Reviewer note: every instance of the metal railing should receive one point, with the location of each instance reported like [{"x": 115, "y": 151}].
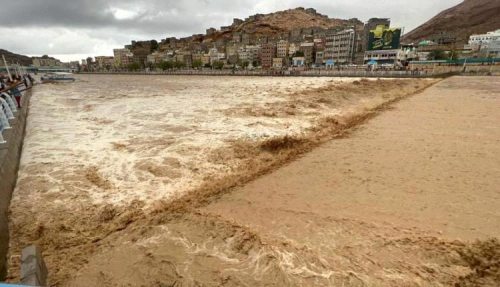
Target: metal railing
[
  {"x": 9, "y": 109},
  {"x": 306, "y": 73}
]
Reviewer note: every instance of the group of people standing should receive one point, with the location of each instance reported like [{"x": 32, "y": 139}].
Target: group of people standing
[
  {"x": 11, "y": 93},
  {"x": 14, "y": 85}
]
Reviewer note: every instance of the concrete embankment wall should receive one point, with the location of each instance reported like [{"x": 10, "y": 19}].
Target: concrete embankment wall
[{"x": 9, "y": 165}]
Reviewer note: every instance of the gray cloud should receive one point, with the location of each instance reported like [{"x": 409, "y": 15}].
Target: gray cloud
[{"x": 70, "y": 27}]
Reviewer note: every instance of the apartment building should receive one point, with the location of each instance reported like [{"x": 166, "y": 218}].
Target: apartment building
[
  {"x": 308, "y": 50},
  {"x": 341, "y": 47},
  {"x": 282, "y": 49},
  {"x": 122, "y": 58},
  {"x": 267, "y": 53},
  {"x": 45, "y": 61},
  {"x": 105, "y": 62},
  {"x": 254, "y": 52},
  {"x": 140, "y": 51}
]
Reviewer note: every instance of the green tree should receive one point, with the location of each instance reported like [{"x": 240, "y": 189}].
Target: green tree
[
  {"x": 179, "y": 65},
  {"x": 133, "y": 66},
  {"x": 245, "y": 64},
  {"x": 165, "y": 65},
  {"x": 437, "y": 55},
  {"x": 150, "y": 65},
  {"x": 218, "y": 65},
  {"x": 154, "y": 45},
  {"x": 197, "y": 64},
  {"x": 207, "y": 65}
]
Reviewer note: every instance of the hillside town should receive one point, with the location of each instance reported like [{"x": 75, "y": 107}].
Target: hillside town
[{"x": 346, "y": 44}]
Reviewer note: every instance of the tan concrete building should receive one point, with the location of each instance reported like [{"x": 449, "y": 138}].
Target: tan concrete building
[
  {"x": 41, "y": 62},
  {"x": 282, "y": 49},
  {"x": 105, "y": 62},
  {"x": 122, "y": 58},
  {"x": 278, "y": 63},
  {"x": 140, "y": 51},
  {"x": 155, "y": 58}
]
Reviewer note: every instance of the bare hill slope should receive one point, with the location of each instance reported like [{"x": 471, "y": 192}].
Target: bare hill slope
[{"x": 469, "y": 17}]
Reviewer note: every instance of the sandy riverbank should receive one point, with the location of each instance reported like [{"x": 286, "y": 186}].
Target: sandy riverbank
[{"x": 112, "y": 160}]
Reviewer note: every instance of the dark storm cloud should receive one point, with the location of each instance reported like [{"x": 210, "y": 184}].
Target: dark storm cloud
[
  {"x": 149, "y": 17},
  {"x": 96, "y": 26}
]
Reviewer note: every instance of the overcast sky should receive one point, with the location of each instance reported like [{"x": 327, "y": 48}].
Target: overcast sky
[{"x": 75, "y": 29}]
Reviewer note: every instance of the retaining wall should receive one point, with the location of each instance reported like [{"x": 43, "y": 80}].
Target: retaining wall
[{"x": 10, "y": 156}]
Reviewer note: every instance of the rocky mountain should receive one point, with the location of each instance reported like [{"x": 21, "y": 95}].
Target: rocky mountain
[
  {"x": 286, "y": 21},
  {"x": 14, "y": 58},
  {"x": 469, "y": 17}
]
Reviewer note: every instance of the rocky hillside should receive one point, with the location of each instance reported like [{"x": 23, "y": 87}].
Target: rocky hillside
[
  {"x": 14, "y": 58},
  {"x": 285, "y": 21},
  {"x": 469, "y": 17}
]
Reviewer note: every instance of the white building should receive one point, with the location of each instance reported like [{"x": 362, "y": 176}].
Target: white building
[
  {"x": 341, "y": 47},
  {"x": 484, "y": 38}
]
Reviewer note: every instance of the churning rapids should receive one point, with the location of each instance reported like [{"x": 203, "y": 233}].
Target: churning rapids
[{"x": 107, "y": 156}]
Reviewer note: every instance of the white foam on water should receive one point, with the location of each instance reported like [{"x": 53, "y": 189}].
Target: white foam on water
[{"x": 148, "y": 136}]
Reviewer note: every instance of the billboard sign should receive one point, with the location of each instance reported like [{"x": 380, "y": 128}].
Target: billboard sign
[{"x": 384, "y": 38}]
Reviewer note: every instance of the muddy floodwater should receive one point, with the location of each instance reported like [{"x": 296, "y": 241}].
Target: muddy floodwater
[
  {"x": 115, "y": 161},
  {"x": 145, "y": 138}
]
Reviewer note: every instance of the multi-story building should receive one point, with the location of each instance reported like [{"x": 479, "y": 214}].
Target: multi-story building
[
  {"x": 105, "y": 62},
  {"x": 254, "y": 53},
  {"x": 232, "y": 49},
  {"x": 205, "y": 59},
  {"x": 267, "y": 53},
  {"x": 320, "y": 57},
  {"x": 483, "y": 39},
  {"x": 197, "y": 57},
  {"x": 341, "y": 47},
  {"x": 382, "y": 56},
  {"x": 292, "y": 48},
  {"x": 247, "y": 39},
  {"x": 216, "y": 56},
  {"x": 282, "y": 49},
  {"x": 46, "y": 61},
  {"x": 236, "y": 37},
  {"x": 211, "y": 31},
  {"x": 308, "y": 50},
  {"x": 122, "y": 58},
  {"x": 156, "y": 58},
  {"x": 262, "y": 40},
  {"x": 444, "y": 38},
  {"x": 140, "y": 51},
  {"x": 245, "y": 56},
  {"x": 278, "y": 63}
]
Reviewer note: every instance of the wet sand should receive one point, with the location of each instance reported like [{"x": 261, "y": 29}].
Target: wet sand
[
  {"x": 396, "y": 201},
  {"x": 118, "y": 181}
]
